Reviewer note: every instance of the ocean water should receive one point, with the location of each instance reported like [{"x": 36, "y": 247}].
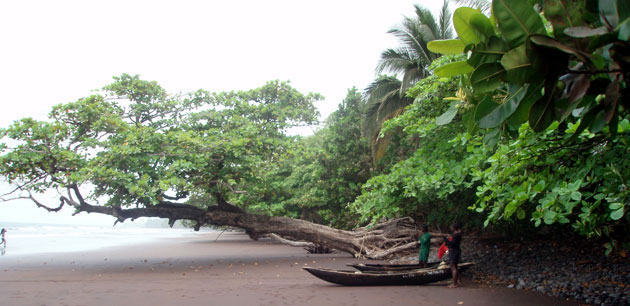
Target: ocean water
[{"x": 26, "y": 239}]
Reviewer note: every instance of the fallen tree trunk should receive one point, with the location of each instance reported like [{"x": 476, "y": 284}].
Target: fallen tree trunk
[{"x": 376, "y": 242}]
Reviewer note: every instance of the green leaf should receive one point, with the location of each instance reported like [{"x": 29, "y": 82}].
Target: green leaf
[
  {"x": 461, "y": 23},
  {"x": 481, "y": 25},
  {"x": 520, "y": 214},
  {"x": 517, "y": 66},
  {"x": 510, "y": 208},
  {"x": 446, "y": 46},
  {"x": 517, "y": 20},
  {"x": 542, "y": 113},
  {"x": 521, "y": 115},
  {"x": 615, "y": 206},
  {"x": 576, "y": 196},
  {"x": 485, "y": 107},
  {"x": 505, "y": 110},
  {"x": 492, "y": 137},
  {"x": 447, "y": 116},
  {"x": 487, "y": 77},
  {"x": 540, "y": 186},
  {"x": 624, "y": 30},
  {"x": 623, "y": 9},
  {"x": 550, "y": 216},
  {"x": 616, "y": 214},
  {"x": 453, "y": 69},
  {"x": 488, "y": 52},
  {"x": 564, "y": 14},
  {"x": 468, "y": 119},
  {"x": 608, "y": 12}
]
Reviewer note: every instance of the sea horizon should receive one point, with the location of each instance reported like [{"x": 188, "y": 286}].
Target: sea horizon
[{"x": 30, "y": 238}]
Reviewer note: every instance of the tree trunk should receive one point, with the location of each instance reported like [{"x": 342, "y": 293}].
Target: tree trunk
[{"x": 376, "y": 242}]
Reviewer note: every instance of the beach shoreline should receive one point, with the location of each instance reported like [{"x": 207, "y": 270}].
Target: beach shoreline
[{"x": 232, "y": 270}]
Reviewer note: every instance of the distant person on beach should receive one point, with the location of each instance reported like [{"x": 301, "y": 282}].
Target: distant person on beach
[
  {"x": 3, "y": 241},
  {"x": 425, "y": 245},
  {"x": 454, "y": 253}
]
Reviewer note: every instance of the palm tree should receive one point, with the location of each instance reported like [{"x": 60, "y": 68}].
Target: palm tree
[
  {"x": 386, "y": 95},
  {"x": 412, "y": 58}
]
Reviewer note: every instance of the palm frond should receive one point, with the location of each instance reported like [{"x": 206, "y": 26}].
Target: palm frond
[
  {"x": 444, "y": 22},
  {"x": 483, "y": 5},
  {"x": 384, "y": 100},
  {"x": 425, "y": 17},
  {"x": 396, "y": 60}
]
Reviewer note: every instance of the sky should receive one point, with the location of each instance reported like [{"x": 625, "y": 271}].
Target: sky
[{"x": 53, "y": 52}]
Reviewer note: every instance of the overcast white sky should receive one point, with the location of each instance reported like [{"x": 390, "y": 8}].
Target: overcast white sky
[{"x": 58, "y": 51}]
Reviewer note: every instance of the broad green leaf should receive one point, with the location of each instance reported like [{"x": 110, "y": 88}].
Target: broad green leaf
[
  {"x": 510, "y": 208},
  {"x": 488, "y": 52},
  {"x": 623, "y": 9},
  {"x": 608, "y": 12},
  {"x": 517, "y": 20},
  {"x": 468, "y": 119},
  {"x": 506, "y": 109},
  {"x": 492, "y": 137},
  {"x": 446, "y": 46},
  {"x": 540, "y": 186},
  {"x": 616, "y": 214},
  {"x": 550, "y": 216},
  {"x": 624, "y": 30},
  {"x": 520, "y": 214},
  {"x": 461, "y": 23},
  {"x": 487, "y": 77},
  {"x": 485, "y": 107},
  {"x": 517, "y": 66},
  {"x": 615, "y": 206},
  {"x": 447, "y": 116},
  {"x": 576, "y": 196},
  {"x": 542, "y": 114},
  {"x": 453, "y": 69},
  {"x": 564, "y": 14},
  {"x": 481, "y": 25}
]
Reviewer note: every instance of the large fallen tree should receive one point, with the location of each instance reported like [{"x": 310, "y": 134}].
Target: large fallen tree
[{"x": 135, "y": 151}]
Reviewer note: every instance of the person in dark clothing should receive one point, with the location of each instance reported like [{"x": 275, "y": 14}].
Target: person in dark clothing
[
  {"x": 3, "y": 241},
  {"x": 454, "y": 252}
]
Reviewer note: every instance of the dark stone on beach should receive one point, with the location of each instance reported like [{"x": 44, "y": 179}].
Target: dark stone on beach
[{"x": 587, "y": 275}]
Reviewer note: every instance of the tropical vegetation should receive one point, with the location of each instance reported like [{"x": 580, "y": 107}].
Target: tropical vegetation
[{"x": 518, "y": 126}]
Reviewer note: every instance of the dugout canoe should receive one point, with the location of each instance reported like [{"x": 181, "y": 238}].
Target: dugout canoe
[
  {"x": 386, "y": 267},
  {"x": 384, "y": 278}
]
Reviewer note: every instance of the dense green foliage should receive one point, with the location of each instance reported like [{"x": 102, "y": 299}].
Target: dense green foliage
[
  {"x": 321, "y": 174},
  {"x": 135, "y": 145},
  {"x": 428, "y": 175},
  {"x": 562, "y": 76},
  {"x": 522, "y": 124}
]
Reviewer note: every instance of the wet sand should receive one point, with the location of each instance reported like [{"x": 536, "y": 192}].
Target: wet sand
[{"x": 231, "y": 271}]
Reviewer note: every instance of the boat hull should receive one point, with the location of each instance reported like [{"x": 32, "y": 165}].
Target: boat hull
[
  {"x": 384, "y": 278},
  {"x": 401, "y": 267}
]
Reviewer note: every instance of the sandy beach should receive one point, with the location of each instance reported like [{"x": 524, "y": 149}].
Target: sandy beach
[{"x": 233, "y": 270}]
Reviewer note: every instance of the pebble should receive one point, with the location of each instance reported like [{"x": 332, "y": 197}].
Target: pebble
[{"x": 578, "y": 271}]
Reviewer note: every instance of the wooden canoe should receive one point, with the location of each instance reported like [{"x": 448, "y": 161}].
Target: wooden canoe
[
  {"x": 386, "y": 267},
  {"x": 385, "y": 278}
]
